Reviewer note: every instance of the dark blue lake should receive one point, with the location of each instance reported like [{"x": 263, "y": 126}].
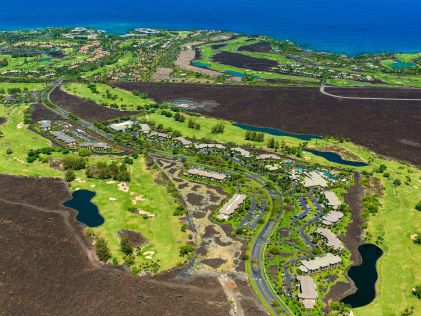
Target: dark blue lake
[
  {"x": 87, "y": 212},
  {"x": 276, "y": 132},
  {"x": 364, "y": 276},
  {"x": 351, "y": 27},
  {"x": 334, "y": 157}
]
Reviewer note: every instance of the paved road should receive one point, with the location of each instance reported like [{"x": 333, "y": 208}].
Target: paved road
[{"x": 322, "y": 90}]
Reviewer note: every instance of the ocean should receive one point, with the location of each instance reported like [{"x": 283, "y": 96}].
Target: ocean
[{"x": 343, "y": 26}]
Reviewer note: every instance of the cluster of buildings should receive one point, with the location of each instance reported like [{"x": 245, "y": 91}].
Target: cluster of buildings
[
  {"x": 318, "y": 264},
  {"x": 211, "y": 175}
]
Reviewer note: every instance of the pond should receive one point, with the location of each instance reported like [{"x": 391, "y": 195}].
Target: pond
[
  {"x": 239, "y": 74},
  {"x": 200, "y": 64},
  {"x": 398, "y": 64},
  {"x": 334, "y": 157},
  {"x": 87, "y": 212},
  {"x": 276, "y": 132},
  {"x": 364, "y": 277}
]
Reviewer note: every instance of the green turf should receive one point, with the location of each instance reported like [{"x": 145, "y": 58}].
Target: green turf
[{"x": 124, "y": 99}]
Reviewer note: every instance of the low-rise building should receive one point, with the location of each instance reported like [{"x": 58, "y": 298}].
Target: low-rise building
[
  {"x": 242, "y": 152},
  {"x": 144, "y": 128},
  {"x": 207, "y": 174},
  {"x": 308, "y": 295},
  {"x": 319, "y": 264},
  {"x": 332, "y": 218},
  {"x": 159, "y": 135},
  {"x": 183, "y": 141},
  {"x": 44, "y": 125},
  {"x": 229, "y": 208},
  {"x": 268, "y": 156},
  {"x": 122, "y": 126},
  {"x": 332, "y": 199},
  {"x": 331, "y": 239},
  {"x": 69, "y": 140},
  {"x": 95, "y": 145},
  {"x": 273, "y": 167},
  {"x": 210, "y": 146},
  {"x": 314, "y": 179}
]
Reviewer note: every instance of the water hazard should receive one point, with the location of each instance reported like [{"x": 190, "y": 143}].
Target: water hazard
[
  {"x": 364, "y": 276},
  {"x": 334, "y": 157},
  {"x": 87, "y": 212}
]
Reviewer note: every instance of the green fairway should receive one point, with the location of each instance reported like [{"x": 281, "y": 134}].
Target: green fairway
[
  {"x": 116, "y": 98},
  {"x": 23, "y": 86}
]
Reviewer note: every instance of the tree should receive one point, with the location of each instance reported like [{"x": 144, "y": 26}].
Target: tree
[
  {"x": 85, "y": 152},
  {"x": 418, "y": 206},
  {"x": 186, "y": 249},
  {"x": 271, "y": 143},
  {"x": 417, "y": 291},
  {"x": 397, "y": 182},
  {"x": 69, "y": 176},
  {"x": 218, "y": 128},
  {"x": 9, "y": 151},
  {"x": 125, "y": 245},
  {"x": 74, "y": 163},
  {"x": 4, "y": 63},
  {"x": 101, "y": 249}
]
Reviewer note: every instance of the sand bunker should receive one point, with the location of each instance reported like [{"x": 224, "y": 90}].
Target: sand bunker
[
  {"x": 148, "y": 254},
  {"x": 20, "y": 125},
  {"x": 110, "y": 182},
  {"x": 144, "y": 213},
  {"x": 112, "y": 198},
  {"x": 122, "y": 186}
]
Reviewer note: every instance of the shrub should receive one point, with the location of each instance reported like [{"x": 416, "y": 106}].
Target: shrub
[
  {"x": 101, "y": 249},
  {"x": 218, "y": 128},
  {"x": 69, "y": 176},
  {"x": 186, "y": 249},
  {"x": 74, "y": 163},
  {"x": 125, "y": 245},
  {"x": 418, "y": 206}
]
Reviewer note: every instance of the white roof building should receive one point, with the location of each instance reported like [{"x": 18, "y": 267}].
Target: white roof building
[
  {"x": 207, "y": 174},
  {"x": 122, "y": 126},
  {"x": 314, "y": 179},
  {"x": 183, "y": 141},
  {"x": 44, "y": 125},
  {"x": 320, "y": 263},
  {"x": 268, "y": 156},
  {"x": 144, "y": 128},
  {"x": 332, "y": 199},
  {"x": 332, "y": 217},
  {"x": 242, "y": 152},
  {"x": 63, "y": 137},
  {"x": 331, "y": 239},
  {"x": 209, "y": 146},
  {"x": 229, "y": 208},
  {"x": 308, "y": 295}
]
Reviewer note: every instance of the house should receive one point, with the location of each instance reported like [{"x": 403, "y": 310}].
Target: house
[
  {"x": 331, "y": 239},
  {"x": 332, "y": 218},
  {"x": 314, "y": 179},
  {"x": 183, "y": 141},
  {"x": 207, "y": 174},
  {"x": 144, "y": 128},
  {"x": 273, "y": 167},
  {"x": 209, "y": 146},
  {"x": 64, "y": 137},
  {"x": 308, "y": 291},
  {"x": 229, "y": 208},
  {"x": 122, "y": 126},
  {"x": 44, "y": 125},
  {"x": 95, "y": 145},
  {"x": 159, "y": 135},
  {"x": 319, "y": 264},
  {"x": 268, "y": 156},
  {"x": 242, "y": 152},
  {"x": 332, "y": 199}
]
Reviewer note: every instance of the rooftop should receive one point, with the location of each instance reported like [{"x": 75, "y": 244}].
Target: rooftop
[
  {"x": 207, "y": 174},
  {"x": 331, "y": 239},
  {"x": 63, "y": 137},
  {"x": 209, "y": 146},
  {"x": 144, "y": 128},
  {"x": 317, "y": 263},
  {"x": 121, "y": 126},
  {"x": 308, "y": 294},
  {"x": 229, "y": 208},
  {"x": 241, "y": 151},
  {"x": 332, "y": 199},
  {"x": 183, "y": 141},
  {"x": 268, "y": 156},
  {"x": 313, "y": 179},
  {"x": 332, "y": 217}
]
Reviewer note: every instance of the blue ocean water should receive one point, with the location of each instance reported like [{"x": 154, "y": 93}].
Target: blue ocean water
[{"x": 353, "y": 27}]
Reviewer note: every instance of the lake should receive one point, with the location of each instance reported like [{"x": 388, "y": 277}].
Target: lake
[
  {"x": 87, "y": 212},
  {"x": 334, "y": 157},
  {"x": 276, "y": 132},
  {"x": 351, "y": 27},
  {"x": 364, "y": 276}
]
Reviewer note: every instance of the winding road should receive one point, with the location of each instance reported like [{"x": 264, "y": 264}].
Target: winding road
[{"x": 323, "y": 91}]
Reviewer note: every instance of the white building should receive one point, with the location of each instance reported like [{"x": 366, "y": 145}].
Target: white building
[
  {"x": 122, "y": 126},
  {"x": 229, "y": 208},
  {"x": 332, "y": 199}
]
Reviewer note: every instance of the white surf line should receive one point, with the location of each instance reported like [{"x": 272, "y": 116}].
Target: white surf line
[{"x": 322, "y": 90}]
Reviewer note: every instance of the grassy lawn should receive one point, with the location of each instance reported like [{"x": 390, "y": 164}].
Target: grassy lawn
[
  {"x": 30, "y": 86},
  {"x": 163, "y": 231},
  {"x": 117, "y": 97}
]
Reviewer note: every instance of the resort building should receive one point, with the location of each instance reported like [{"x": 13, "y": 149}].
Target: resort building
[
  {"x": 331, "y": 239},
  {"x": 242, "y": 152},
  {"x": 319, "y": 264},
  {"x": 209, "y": 146},
  {"x": 332, "y": 199},
  {"x": 308, "y": 295},
  {"x": 229, "y": 208},
  {"x": 160, "y": 135},
  {"x": 122, "y": 126},
  {"x": 314, "y": 179},
  {"x": 183, "y": 141},
  {"x": 144, "y": 128},
  {"x": 95, "y": 145},
  {"x": 332, "y": 218},
  {"x": 44, "y": 125},
  {"x": 273, "y": 167},
  {"x": 207, "y": 174},
  {"x": 63, "y": 137},
  {"x": 268, "y": 156}
]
